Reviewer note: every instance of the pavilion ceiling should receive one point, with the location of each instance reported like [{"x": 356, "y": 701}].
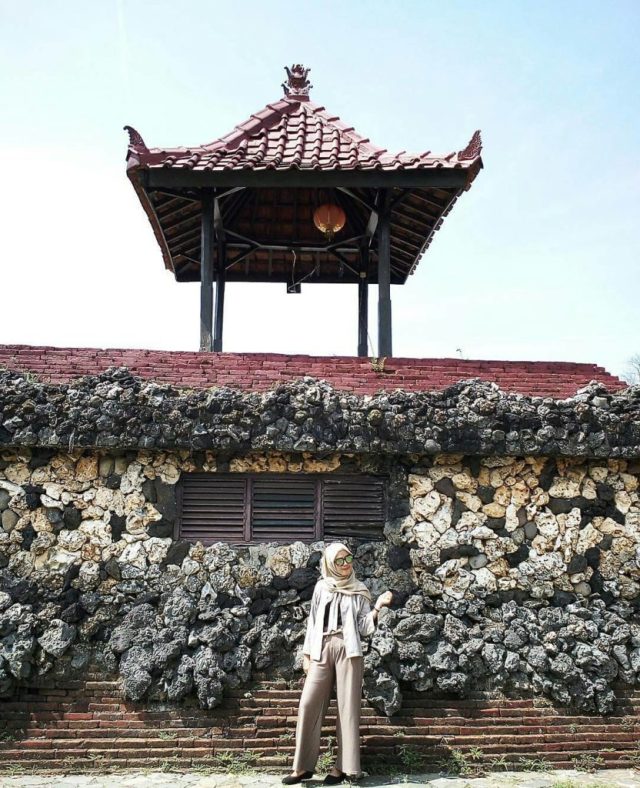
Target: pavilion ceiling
[{"x": 281, "y": 220}]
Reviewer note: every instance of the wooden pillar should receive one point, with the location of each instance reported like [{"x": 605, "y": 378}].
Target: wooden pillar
[
  {"x": 221, "y": 262},
  {"x": 363, "y": 301},
  {"x": 384, "y": 278},
  {"x": 206, "y": 271}
]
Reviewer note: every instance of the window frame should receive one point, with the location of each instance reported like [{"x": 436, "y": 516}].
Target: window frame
[{"x": 250, "y": 477}]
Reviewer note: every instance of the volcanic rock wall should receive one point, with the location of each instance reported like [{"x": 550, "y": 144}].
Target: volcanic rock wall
[
  {"x": 512, "y": 544},
  {"x": 117, "y": 410}
]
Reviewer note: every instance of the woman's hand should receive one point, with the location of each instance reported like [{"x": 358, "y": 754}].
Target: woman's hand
[
  {"x": 384, "y": 600},
  {"x": 306, "y": 662}
]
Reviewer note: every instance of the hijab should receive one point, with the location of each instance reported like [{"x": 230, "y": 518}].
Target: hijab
[{"x": 333, "y": 581}]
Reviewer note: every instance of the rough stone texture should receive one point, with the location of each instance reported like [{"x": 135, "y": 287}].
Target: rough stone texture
[
  {"x": 510, "y": 573},
  {"x": 116, "y": 409}
]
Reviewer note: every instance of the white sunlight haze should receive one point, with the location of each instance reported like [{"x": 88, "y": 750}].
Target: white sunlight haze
[{"x": 538, "y": 261}]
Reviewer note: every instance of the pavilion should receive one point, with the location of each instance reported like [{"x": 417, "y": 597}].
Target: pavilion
[{"x": 244, "y": 208}]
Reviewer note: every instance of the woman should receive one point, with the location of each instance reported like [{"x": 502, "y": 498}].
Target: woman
[{"x": 340, "y": 612}]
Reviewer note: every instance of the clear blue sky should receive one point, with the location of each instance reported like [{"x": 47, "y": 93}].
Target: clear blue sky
[{"x": 540, "y": 260}]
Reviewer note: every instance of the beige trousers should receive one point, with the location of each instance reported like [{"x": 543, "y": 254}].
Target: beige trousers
[{"x": 314, "y": 702}]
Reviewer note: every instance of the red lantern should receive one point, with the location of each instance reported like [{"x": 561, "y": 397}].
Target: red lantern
[{"x": 329, "y": 219}]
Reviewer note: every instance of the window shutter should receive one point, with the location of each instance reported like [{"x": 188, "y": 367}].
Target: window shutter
[
  {"x": 212, "y": 508},
  {"x": 265, "y": 507},
  {"x": 354, "y": 506},
  {"x": 283, "y": 508}
]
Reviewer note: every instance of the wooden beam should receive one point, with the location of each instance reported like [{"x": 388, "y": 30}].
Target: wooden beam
[
  {"x": 171, "y": 193},
  {"x": 239, "y": 257},
  {"x": 223, "y": 195},
  {"x": 192, "y": 219},
  {"x": 176, "y": 242},
  {"x": 220, "y": 283},
  {"x": 400, "y": 225},
  {"x": 363, "y": 302},
  {"x": 416, "y": 195},
  {"x": 221, "y": 263},
  {"x": 353, "y": 217},
  {"x": 168, "y": 202},
  {"x": 384, "y": 278},
  {"x": 206, "y": 272},
  {"x": 421, "y": 197},
  {"x": 398, "y": 198},
  {"x": 245, "y": 242},
  {"x": 343, "y": 262},
  {"x": 278, "y": 274},
  {"x": 418, "y": 214},
  {"x": 375, "y": 179},
  {"x": 369, "y": 206},
  {"x": 235, "y": 205}
]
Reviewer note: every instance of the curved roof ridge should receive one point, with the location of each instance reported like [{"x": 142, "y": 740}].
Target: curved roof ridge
[
  {"x": 313, "y": 139},
  {"x": 263, "y": 119},
  {"x": 269, "y": 119}
]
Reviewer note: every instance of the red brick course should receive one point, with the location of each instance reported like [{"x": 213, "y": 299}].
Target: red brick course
[
  {"x": 88, "y": 723},
  {"x": 260, "y": 371}
]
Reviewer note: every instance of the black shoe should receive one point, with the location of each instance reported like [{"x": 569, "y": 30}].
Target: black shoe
[
  {"x": 332, "y": 779},
  {"x": 291, "y": 780}
]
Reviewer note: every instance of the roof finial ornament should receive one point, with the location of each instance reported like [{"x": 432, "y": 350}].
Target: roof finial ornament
[
  {"x": 297, "y": 85},
  {"x": 473, "y": 149},
  {"x": 135, "y": 138}
]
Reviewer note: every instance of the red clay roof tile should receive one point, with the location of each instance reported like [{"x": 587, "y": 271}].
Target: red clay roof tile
[{"x": 293, "y": 133}]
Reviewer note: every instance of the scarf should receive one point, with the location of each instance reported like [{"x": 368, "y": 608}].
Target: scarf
[{"x": 333, "y": 581}]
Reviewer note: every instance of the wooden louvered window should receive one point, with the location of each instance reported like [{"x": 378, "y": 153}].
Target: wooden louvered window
[
  {"x": 355, "y": 504},
  {"x": 270, "y": 507},
  {"x": 209, "y": 511}
]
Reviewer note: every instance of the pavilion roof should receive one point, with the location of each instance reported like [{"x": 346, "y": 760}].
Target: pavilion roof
[
  {"x": 271, "y": 172},
  {"x": 295, "y": 133}
]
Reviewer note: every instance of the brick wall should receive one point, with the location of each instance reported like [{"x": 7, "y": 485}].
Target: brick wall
[
  {"x": 87, "y": 724},
  {"x": 259, "y": 371}
]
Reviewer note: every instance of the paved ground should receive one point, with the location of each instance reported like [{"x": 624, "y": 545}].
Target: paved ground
[{"x": 610, "y": 778}]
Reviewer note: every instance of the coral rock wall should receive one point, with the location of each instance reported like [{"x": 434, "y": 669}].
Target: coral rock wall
[{"x": 509, "y": 572}]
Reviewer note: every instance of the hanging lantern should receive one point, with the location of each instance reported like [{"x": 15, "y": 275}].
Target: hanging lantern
[{"x": 329, "y": 219}]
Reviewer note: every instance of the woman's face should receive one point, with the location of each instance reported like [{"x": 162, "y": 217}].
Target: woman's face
[{"x": 346, "y": 569}]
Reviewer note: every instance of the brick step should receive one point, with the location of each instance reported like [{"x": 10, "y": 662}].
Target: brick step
[
  {"x": 36, "y": 747},
  {"x": 402, "y": 733},
  {"x": 150, "y": 753},
  {"x": 114, "y": 743},
  {"x": 549, "y": 749},
  {"x": 546, "y": 722},
  {"x": 83, "y": 765},
  {"x": 511, "y": 739},
  {"x": 274, "y": 761},
  {"x": 141, "y": 718},
  {"x": 113, "y": 733},
  {"x": 270, "y": 693},
  {"x": 35, "y": 727}
]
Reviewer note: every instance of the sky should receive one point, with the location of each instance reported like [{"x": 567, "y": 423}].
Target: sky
[{"x": 540, "y": 260}]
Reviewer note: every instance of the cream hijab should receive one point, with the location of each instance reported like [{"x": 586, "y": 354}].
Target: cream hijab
[{"x": 333, "y": 581}]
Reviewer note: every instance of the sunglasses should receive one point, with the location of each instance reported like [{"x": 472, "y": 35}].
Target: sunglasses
[{"x": 342, "y": 561}]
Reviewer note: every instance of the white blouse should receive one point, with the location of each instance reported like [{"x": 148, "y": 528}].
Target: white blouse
[{"x": 357, "y": 619}]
